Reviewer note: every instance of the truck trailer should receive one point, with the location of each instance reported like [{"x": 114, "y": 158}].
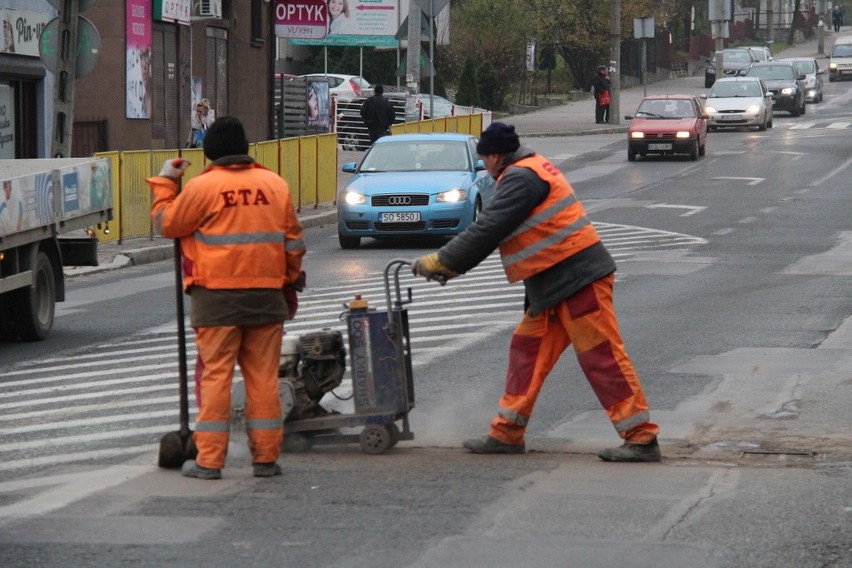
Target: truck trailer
[{"x": 48, "y": 208}]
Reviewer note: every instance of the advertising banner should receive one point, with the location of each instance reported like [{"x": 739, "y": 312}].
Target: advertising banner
[
  {"x": 357, "y": 23},
  {"x": 138, "y": 91},
  {"x": 7, "y": 122},
  {"x": 318, "y": 106},
  {"x": 177, "y": 11},
  {"x": 21, "y": 31}
]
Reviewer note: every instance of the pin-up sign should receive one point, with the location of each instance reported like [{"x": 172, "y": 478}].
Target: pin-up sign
[{"x": 301, "y": 19}]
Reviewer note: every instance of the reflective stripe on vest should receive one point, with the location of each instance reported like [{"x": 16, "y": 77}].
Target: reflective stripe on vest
[
  {"x": 513, "y": 416},
  {"x": 632, "y": 421},
  {"x": 217, "y": 426},
  {"x": 555, "y": 230},
  {"x": 239, "y": 238},
  {"x": 263, "y": 424}
]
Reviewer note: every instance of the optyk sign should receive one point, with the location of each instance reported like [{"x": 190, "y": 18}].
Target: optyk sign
[{"x": 302, "y": 19}]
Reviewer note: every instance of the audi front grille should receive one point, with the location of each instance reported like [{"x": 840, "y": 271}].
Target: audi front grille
[{"x": 405, "y": 200}]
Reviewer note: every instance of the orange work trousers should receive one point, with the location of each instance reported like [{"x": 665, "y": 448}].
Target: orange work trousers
[
  {"x": 257, "y": 349},
  {"x": 586, "y": 319}
]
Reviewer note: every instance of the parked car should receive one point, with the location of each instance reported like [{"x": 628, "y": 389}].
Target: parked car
[
  {"x": 667, "y": 124},
  {"x": 785, "y": 83},
  {"x": 413, "y": 185},
  {"x": 813, "y": 77},
  {"x": 345, "y": 87},
  {"x": 761, "y": 52},
  {"x": 738, "y": 102},
  {"x": 735, "y": 60},
  {"x": 840, "y": 58}
]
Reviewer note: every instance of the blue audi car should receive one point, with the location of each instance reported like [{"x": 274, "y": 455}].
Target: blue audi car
[{"x": 412, "y": 185}]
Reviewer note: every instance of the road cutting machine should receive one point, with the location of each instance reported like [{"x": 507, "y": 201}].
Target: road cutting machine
[{"x": 313, "y": 366}]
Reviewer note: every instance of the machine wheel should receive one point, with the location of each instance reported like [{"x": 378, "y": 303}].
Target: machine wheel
[
  {"x": 393, "y": 431},
  {"x": 297, "y": 443},
  {"x": 631, "y": 155},
  {"x": 32, "y": 308},
  {"x": 348, "y": 242},
  {"x": 375, "y": 439},
  {"x": 693, "y": 153}
]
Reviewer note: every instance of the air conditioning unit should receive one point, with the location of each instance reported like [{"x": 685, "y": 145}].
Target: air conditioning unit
[{"x": 208, "y": 9}]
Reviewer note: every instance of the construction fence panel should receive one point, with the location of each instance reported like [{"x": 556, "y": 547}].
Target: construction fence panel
[
  {"x": 106, "y": 233},
  {"x": 327, "y": 168}
]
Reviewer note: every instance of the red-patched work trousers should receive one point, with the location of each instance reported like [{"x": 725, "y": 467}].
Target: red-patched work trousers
[
  {"x": 257, "y": 349},
  {"x": 586, "y": 319}
]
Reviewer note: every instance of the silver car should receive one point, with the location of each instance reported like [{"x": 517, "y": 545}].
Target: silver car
[
  {"x": 738, "y": 101},
  {"x": 813, "y": 77}
]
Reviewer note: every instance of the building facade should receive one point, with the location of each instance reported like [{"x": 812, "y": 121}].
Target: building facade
[{"x": 156, "y": 59}]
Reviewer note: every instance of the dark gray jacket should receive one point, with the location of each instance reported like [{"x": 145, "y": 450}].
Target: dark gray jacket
[{"x": 516, "y": 195}]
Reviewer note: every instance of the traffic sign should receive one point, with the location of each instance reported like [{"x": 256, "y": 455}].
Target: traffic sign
[
  {"x": 432, "y": 7},
  {"x": 88, "y": 46}
]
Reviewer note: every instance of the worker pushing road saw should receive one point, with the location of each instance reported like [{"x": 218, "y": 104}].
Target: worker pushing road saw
[{"x": 547, "y": 241}]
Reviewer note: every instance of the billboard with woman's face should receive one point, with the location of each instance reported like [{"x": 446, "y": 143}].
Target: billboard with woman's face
[{"x": 318, "y": 105}]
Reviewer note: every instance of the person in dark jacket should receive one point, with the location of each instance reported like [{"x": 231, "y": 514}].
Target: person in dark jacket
[
  {"x": 378, "y": 114},
  {"x": 547, "y": 241},
  {"x": 602, "y": 86}
]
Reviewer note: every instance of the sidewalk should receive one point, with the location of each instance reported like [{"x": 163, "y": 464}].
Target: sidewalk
[{"x": 575, "y": 118}]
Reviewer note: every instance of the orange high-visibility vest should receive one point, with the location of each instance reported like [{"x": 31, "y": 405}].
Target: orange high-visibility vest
[
  {"x": 555, "y": 230},
  {"x": 237, "y": 227}
]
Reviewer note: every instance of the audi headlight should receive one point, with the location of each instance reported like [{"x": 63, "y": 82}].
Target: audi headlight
[
  {"x": 452, "y": 196},
  {"x": 682, "y": 134},
  {"x": 637, "y": 135},
  {"x": 353, "y": 198},
  {"x": 788, "y": 91}
]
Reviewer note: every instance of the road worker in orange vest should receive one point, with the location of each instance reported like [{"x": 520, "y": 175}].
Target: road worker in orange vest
[
  {"x": 546, "y": 240},
  {"x": 242, "y": 250}
]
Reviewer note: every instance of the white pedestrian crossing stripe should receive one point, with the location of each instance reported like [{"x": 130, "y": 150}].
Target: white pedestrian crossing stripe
[
  {"x": 836, "y": 125},
  {"x": 117, "y": 400}
]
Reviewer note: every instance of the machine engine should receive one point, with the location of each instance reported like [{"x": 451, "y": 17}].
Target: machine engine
[{"x": 311, "y": 365}]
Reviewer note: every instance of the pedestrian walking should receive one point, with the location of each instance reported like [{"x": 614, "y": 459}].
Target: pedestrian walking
[
  {"x": 836, "y": 18},
  {"x": 378, "y": 114},
  {"x": 242, "y": 249},
  {"x": 547, "y": 241},
  {"x": 602, "y": 85}
]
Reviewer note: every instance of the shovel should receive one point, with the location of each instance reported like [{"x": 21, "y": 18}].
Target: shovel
[{"x": 178, "y": 447}]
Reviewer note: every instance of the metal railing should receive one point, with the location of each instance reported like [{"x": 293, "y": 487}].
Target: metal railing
[{"x": 307, "y": 163}]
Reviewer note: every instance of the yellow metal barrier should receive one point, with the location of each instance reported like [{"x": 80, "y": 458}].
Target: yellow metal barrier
[{"x": 308, "y": 164}]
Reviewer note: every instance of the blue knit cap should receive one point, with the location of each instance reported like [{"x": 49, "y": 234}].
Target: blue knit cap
[{"x": 498, "y": 138}]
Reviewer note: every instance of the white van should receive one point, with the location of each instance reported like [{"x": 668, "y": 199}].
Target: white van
[{"x": 840, "y": 59}]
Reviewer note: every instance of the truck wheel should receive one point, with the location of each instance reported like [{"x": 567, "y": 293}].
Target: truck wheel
[{"x": 32, "y": 308}]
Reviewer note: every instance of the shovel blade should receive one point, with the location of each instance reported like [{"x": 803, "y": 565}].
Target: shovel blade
[{"x": 176, "y": 448}]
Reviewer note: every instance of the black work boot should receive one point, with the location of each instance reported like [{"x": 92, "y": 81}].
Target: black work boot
[
  {"x": 632, "y": 453},
  {"x": 192, "y": 469},
  {"x": 489, "y": 445},
  {"x": 270, "y": 469}
]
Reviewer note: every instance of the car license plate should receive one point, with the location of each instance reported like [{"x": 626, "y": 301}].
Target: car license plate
[
  {"x": 406, "y": 217},
  {"x": 730, "y": 117},
  {"x": 659, "y": 146}
]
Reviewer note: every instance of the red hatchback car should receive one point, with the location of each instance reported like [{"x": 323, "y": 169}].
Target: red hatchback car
[{"x": 667, "y": 124}]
